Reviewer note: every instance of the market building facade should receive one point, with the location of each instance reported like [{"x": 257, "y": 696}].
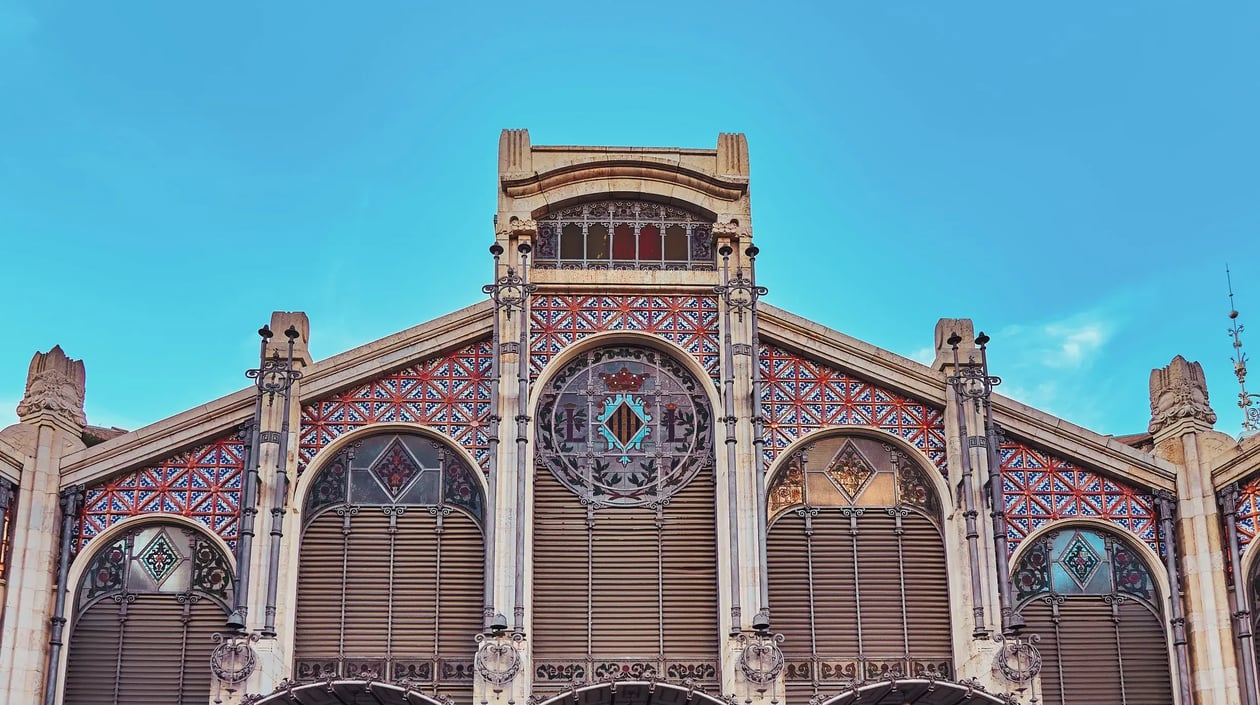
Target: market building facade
[{"x": 624, "y": 478}]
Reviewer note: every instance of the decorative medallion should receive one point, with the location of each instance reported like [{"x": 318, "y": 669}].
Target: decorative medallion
[
  {"x": 1129, "y": 572},
  {"x": 625, "y": 426},
  {"x": 850, "y": 470},
  {"x": 1032, "y": 573},
  {"x": 1080, "y": 561},
  {"x": 788, "y": 488},
  {"x": 395, "y": 468},
  {"x": 160, "y": 558}
]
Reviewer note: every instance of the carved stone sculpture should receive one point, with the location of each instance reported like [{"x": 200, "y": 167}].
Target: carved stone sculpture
[
  {"x": 54, "y": 387},
  {"x": 1179, "y": 391}
]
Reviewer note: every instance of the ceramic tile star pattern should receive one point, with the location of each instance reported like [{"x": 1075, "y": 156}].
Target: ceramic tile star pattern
[
  {"x": 691, "y": 322},
  {"x": 449, "y": 394},
  {"x": 800, "y": 396},
  {"x": 203, "y": 484},
  {"x": 1248, "y": 511},
  {"x": 1041, "y": 488}
]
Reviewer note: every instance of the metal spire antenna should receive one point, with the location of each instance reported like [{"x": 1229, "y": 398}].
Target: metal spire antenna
[{"x": 1251, "y": 414}]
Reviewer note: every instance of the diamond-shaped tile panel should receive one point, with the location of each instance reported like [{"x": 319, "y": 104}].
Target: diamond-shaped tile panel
[
  {"x": 160, "y": 558},
  {"x": 850, "y": 470},
  {"x": 395, "y": 469},
  {"x": 1080, "y": 561}
]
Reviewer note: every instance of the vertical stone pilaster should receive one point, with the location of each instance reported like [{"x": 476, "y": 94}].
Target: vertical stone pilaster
[
  {"x": 278, "y": 434},
  {"x": 1180, "y": 421},
  {"x": 51, "y": 426}
]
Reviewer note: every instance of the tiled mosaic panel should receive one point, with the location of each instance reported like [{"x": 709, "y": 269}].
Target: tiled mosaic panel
[
  {"x": 557, "y": 322},
  {"x": 449, "y": 394},
  {"x": 1248, "y": 511},
  {"x": 800, "y": 396},
  {"x": 1041, "y": 488},
  {"x": 203, "y": 484}
]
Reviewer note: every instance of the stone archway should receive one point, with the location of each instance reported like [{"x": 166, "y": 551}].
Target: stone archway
[
  {"x": 350, "y": 691},
  {"x": 920, "y": 691},
  {"x": 634, "y": 692}
]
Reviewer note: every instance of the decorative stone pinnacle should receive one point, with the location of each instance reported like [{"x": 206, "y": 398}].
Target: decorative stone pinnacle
[
  {"x": 1179, "y": 393},
  {"x": 54, "y": 389}
]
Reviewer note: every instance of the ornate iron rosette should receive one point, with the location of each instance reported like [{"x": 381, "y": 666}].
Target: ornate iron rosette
[
  {"x": 1018, "y": 659},
  {"x": 233, "y": 660},
  {"x": 625, "y": 426},
  {"x": 761, "y": 660},
  {"x": 497, "y": 661}
]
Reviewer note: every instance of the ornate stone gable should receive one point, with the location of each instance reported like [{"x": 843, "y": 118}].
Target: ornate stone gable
[
  {"x": 1041, "y": 488},
  {"x": 1179, "y": 391},
  {"x": 449, "y": 393},
  {"x": 800, "y": 396},
  {"x": 203, "y": 484},
  {"x": 54, "y": 388},
  {"x": 558, "y": 321}
]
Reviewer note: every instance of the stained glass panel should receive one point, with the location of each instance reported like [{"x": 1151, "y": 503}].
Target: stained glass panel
[
  {"x": 1081, "y": 561},
  {"x": 667, "y": 237},
  {"x": 625, "y": 426}
]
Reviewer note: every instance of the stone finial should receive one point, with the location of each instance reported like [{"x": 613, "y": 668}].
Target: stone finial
[
  {"x": 1179, "y": 392},
  {"x": 280, "y": 322},
  {"x": 947, "y": 327},
  {"x": 732, "y": 155},
  {"x": 54, "y": 390},
  {"x": 515, "y": 158}
]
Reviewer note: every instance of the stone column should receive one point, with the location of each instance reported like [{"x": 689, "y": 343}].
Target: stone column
[
  {"x": 1181, "y": 425},
  {"x": 276, "y": 433},
  {"x": 51, "y": 423},
  {"x": 976, "y": 610}
]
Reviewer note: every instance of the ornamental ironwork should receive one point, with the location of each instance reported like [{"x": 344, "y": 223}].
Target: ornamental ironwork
[
  {"x": 761, "y": 660},
  {"x": 624, "y": 235},
  {"x": 625, "y": 426},
  {"x": 234, "y": 659},
  {"x": 1018, "y": 659},
  {"x": 497, "y": 659}
]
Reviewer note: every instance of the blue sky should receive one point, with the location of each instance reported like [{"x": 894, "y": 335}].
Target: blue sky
[{"x": 1074, "y": 176}]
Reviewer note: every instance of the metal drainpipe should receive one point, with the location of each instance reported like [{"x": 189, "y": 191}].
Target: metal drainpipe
[
  {"x": 728, "y": 408},
  {"x": 969, "y": 510},
  {"x": 281, "y": 494},
  {"x": 249, "y": 511},
  {"x": 1240, "y": 602},
  {"x": 492, "y": 450},
  {"x": 71, "y": 502},
  {"x": 522, "y": 442},
  {"x": 759, "y": 441},
  {"x": 1011, "y": 623}
]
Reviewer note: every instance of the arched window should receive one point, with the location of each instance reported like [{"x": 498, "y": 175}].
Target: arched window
[
  {"x": 390, "y": 581},
  {"x": 1091, "y": 599},
  {"x": 856, "y": 567},
  {"x": 145, "y": 611},
  {"x": 624, "y": 235},
  {"x": 625, "y": 549}
]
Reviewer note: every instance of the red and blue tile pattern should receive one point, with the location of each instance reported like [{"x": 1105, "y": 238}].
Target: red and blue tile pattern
[
  {"x": 800, "y": 396},
  {"x": 1248, "y": 511},
  {"x": 203, "y": 484},
  {"x": 449, "y": 394},
  {"x": 1041, "y": 488},
  {"x": 691, "y": 322}
]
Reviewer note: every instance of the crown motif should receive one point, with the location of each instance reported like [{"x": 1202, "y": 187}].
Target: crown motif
[{"x": 624, "y": 380}]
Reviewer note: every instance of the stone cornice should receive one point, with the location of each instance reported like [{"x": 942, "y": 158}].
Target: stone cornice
[
  {"x": 157, "y": 440},
  {"x": 647, "y": 168},
  {"x": 1097, "y": 451},
  {"x": 1239, "y": 465}
]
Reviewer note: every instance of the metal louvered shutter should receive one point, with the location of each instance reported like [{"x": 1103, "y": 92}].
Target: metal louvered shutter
[
  {"x": 689, "y": 559},
  {"x": 879, "y": 591},
  {"x": 561, "y": 599},
  {"x": 165, "y": 653},
  {"x": 461, "y": 599},
  {"x": 1081, "y": 659},
  {"x": 320, "y": 592},
  {"x": 927, "y": 593},
  {"x": 787, "y": 552}
]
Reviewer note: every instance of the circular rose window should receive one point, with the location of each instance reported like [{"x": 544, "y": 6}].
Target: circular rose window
[{"x": 624, "y": 426}]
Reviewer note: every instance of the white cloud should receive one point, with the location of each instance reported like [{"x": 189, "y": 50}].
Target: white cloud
[{"x": 925, "y": 355}]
